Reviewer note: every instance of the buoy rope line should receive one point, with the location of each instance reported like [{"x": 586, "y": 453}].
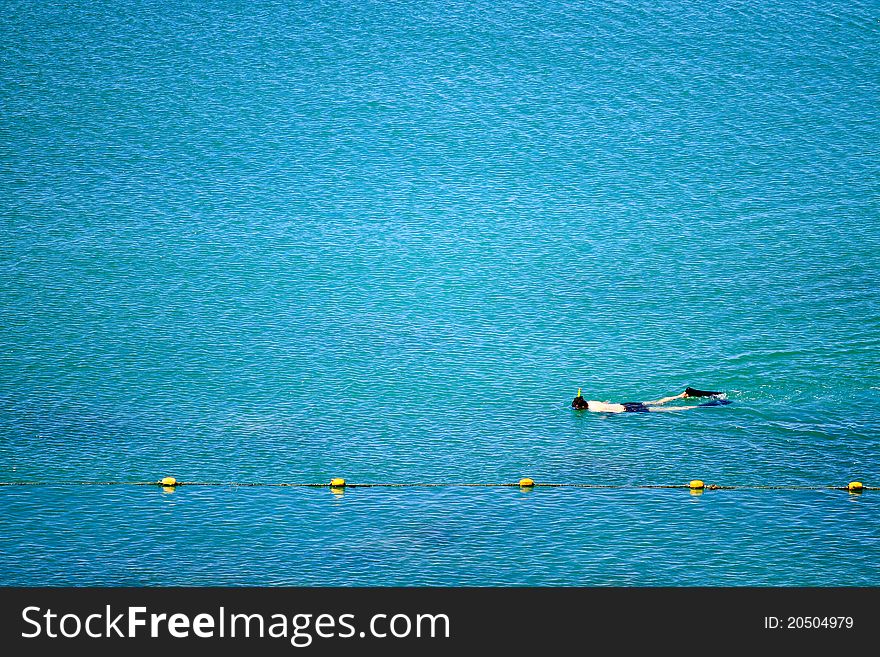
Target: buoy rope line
[{"x": 336, "y": 484}]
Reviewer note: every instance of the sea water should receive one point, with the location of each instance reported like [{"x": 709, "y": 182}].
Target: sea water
[{"x": 279, "y": 242}]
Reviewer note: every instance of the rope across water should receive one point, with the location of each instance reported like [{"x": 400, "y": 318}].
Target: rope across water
[{"x": 695, "y": 485}]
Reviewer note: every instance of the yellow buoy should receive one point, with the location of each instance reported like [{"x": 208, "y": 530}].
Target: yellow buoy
[
  {"x": 525, "y": 482},
  {"x": 696, "y": 484},
  {"x": 168, "y": 481},
  {"x": 338, "y": 482},
  {"x": 855, "y": 486}
]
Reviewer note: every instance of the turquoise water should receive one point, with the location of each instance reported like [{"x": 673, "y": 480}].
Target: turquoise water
[{"x": 284, "y": 242}]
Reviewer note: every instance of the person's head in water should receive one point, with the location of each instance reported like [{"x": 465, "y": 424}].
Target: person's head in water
[{"x": 579, "y": 403}]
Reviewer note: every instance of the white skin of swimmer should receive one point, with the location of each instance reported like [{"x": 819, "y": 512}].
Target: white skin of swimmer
[{"x": 605, "y": 407}]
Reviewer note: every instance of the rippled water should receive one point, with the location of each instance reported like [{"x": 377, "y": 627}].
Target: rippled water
[
  {"x": 480, "y": 537},
  {"x": 282, "y": 242}
]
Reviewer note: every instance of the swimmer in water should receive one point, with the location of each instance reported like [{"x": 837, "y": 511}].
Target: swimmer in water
[{"x": 581, "y": 404}]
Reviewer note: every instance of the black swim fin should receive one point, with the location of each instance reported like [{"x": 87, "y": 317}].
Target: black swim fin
[
  {"x": 716, "y": 402},
  {"x": 693, "y": 392}
]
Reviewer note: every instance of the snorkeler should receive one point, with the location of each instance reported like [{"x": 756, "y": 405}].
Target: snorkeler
[{"x": 581, "y": 404}]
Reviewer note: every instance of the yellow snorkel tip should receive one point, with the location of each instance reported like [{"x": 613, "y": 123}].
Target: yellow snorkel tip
[{"x": 579, "y": 392}]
